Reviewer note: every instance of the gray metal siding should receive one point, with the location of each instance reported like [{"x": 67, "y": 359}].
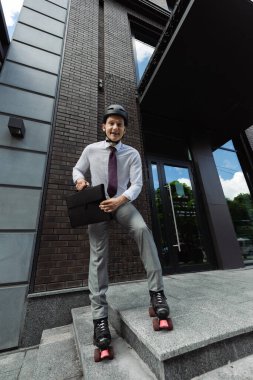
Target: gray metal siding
[
  {"x": 36, "y": 137},
  {"x": 28, "y": 87},
  {"x": 29, "y": 79},
  {"x": 15, "y": 258},
  {"x": 33, "y": 57},
  {"x": 12, "y": 300},
  {"x": 42, "y": 22},
  {"x": 25, "y": 104},
  {"x": 37, "y": 38}
]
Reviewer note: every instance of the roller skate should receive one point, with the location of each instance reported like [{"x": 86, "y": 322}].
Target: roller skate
[
  {"x": 160, "y": 310},
  {"x": 102, "y": 339}
]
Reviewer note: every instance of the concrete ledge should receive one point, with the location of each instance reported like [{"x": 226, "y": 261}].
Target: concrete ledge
[
  {"x": 212, "y": 318},
  {"x": 241, "y": 369},
  {"x": 48, "y": 311},
  {"x": 195, "y": 363}
]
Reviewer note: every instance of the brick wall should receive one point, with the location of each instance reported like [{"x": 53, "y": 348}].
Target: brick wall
[{"x": 62, "y": 252}]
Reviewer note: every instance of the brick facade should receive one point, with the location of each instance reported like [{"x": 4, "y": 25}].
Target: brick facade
[{"x": 98, "y": 46}]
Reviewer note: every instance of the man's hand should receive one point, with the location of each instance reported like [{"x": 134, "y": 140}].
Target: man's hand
[
  {"x": 81, "y": 184},
  {"x": 110, "y": 205}
]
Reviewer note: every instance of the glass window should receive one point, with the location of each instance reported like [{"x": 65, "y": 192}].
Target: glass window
[
  {"x": 143, "y": 53},
  {"x": 159, "y": 209},
  {"x": 187, "y": 237},
  {"x": 238, "y": 197},
  {"x": 178, "y": 231}
]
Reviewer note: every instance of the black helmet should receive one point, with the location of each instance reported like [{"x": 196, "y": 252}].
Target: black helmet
[{"x": 116, "y": 109}]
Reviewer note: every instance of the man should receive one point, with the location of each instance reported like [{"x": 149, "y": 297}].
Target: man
[{"x": 115, "y": 165}]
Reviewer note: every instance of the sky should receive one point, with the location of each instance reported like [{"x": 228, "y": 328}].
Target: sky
[
  {"x": 11, "y": 10},
  {"x": 230, "y": 173},
  {"x": 143, "y": 53}
]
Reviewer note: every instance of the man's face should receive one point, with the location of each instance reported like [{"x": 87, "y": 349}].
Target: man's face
[{"x": 114, "y": 128}]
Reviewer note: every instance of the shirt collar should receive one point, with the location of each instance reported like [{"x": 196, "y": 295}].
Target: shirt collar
[{"x": 117, "y": 146}]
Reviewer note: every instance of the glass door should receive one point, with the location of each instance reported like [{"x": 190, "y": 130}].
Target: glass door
[{"x": 177, "y": 218}]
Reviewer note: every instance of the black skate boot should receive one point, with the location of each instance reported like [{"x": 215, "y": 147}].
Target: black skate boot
[
  {"x": 102, "y": 335},
  {"x": 159, "y": 304},
  {"x": 102, "y": 339},
  {"x": 160, "y": 309}
]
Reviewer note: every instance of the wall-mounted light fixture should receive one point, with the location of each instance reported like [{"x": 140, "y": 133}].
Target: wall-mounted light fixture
[
  {"x": 100, "y": 84},
  {"x": 16, "y": 127}
]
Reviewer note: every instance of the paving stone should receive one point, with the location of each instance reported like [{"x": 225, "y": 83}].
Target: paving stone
[{"x": 29, "y": 364}]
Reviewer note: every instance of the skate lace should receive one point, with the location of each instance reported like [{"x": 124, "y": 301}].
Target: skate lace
[
  {"x": 159, "y": 297},
  {"x": 102, "y": 325}
]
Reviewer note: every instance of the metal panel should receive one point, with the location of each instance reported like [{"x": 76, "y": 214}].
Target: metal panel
[
  {"x": 47, "y": 8},
  {"x": 29, "y": 79},
  {"x": 22, "y": 168},
  {"x": 15, "y": 256},
  {"x": 36, "y": 135},
  {"x": 12, "y": 300},
  {"x": 61, "y": 3},
  {"x": 17, "y": 102},
  {"x": 19, "y": 208},
  {"x": 34, "y": 57},
  {"x": 39, "y": 21},
  {"x": 37, "y": 38}
]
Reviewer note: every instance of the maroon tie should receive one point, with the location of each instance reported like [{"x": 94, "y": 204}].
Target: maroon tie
[{"x": 112, "y": 173}]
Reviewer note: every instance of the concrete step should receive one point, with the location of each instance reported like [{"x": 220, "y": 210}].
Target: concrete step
[
  {"x": 126, "y": 364},
  {"x": 241, "y": 369},
  {"x": 212, "y": 317},
  {"x": 57, "y": 356}
]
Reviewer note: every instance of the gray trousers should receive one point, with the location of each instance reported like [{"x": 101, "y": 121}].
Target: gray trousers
[{"x": 130, "y": 218}]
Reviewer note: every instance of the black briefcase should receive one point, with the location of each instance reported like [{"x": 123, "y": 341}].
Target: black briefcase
[{"x": 83, "y": 206}]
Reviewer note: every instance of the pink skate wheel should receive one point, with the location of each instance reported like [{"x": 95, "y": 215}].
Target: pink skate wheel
[
  {"x": 105, "y": 354},
  {"x": 164, "y": 324}
]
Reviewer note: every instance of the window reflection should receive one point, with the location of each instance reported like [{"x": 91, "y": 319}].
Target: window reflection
[
  {"x": 187, "y": 236},
  {"x": 180, "y": 239},
  {"x": 238, "y": 197},
  {"x": 143, "y": 52},
  {"x": 159, "y": 209}
]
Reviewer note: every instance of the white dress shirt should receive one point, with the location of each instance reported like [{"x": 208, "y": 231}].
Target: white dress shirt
[{"x": 129, "y": 168}]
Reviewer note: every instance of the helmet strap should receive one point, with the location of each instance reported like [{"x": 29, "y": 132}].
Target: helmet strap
[{"x": 112, "y": 143}]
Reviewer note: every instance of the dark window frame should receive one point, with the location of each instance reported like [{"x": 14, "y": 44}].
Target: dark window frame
[
  {"x": 145, "y": 33},
  {"x": 4, "y": 37}
]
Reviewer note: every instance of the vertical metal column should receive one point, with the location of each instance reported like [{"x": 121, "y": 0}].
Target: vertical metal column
[{"x": 227, "y": 250}]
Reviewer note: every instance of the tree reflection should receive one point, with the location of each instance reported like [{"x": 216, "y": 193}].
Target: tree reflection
[
  {"x": 186, "y": 222},
  {"x": 241, "y": 210}
]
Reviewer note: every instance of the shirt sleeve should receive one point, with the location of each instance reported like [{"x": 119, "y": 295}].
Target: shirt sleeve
[
  {"x": 81, "y": 166},
  {"x": 135, "y": 178}
]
